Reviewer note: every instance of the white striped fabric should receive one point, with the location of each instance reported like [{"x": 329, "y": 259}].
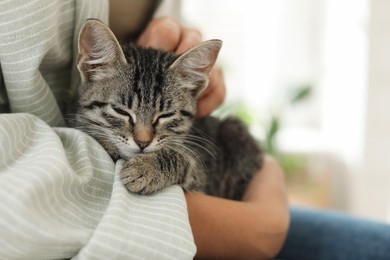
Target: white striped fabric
[{"x": 61, "y": 196}]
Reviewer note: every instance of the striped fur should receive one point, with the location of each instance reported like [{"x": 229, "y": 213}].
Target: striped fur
[{"x": 140, "y": 105}]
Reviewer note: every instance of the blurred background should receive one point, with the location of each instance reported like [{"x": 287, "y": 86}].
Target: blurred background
[{"x": 312, "y": 81}]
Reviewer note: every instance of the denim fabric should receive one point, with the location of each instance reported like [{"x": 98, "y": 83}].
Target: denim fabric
[{"x": 326, "y": 235}]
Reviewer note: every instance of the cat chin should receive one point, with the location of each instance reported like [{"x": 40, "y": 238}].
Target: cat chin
[
  {"x": 149, "y": 149},
  {"x": 128, "y": 154}
]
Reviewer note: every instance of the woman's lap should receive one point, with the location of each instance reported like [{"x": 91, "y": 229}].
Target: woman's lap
[{"x": 317, "y": 234}]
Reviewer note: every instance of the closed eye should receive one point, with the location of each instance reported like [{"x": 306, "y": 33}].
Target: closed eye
[
  {"x": 163, "y": 116},
  {"x": 120, "y": 111},
  {"x": 166, "y": 115},
  {"x": 123, "y": 113},
  {"x": 95, "y": 104}
]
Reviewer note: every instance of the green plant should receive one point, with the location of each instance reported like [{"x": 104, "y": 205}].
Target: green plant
[
  {"x": 289, "y": 163},
  {"x": 293, "y": 97}
]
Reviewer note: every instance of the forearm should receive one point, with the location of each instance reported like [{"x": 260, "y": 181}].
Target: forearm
[{"x": 252, "y": 229}]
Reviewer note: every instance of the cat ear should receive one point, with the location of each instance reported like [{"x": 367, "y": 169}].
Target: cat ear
[
  {"x": 193, "y": 67},
  {"x": 99, "y": 51}
]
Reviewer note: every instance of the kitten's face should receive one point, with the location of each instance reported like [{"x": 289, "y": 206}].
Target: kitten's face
[
  {"x": 138, "y": 100},
  {"x": 127, "y": 121}
]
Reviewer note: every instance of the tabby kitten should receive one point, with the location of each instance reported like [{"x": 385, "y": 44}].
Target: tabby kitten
[{"x": 139, "y": 104}]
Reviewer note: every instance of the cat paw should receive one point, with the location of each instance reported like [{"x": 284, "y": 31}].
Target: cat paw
[{"x": 141, "y": 175}]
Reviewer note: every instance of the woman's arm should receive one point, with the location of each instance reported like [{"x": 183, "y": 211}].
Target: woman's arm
[{"x": 252, "y": 229}]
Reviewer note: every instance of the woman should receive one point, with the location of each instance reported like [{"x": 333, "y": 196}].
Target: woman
[{"x": 60, "y": 193}]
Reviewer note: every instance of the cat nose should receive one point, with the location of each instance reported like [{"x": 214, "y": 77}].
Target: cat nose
[{"x": 142, "y": 144}]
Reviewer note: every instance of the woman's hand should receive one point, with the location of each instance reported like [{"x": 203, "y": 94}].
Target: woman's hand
[
  {"x": 169, "y": 35},
  {"x": 254, "y": 228}
]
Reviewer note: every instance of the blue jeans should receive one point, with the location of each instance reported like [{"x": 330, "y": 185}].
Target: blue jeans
[{"x": 325, "y": 235}]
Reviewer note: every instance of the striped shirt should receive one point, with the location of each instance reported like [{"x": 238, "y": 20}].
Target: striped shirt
[{"x": 61, "y": 196}]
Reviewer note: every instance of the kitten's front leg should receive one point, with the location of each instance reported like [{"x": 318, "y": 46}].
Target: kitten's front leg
[{"x": 149, "y": 172}]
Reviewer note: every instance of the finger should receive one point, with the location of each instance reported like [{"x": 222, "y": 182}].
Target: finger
[
  {"x": 214, "y": 95},
  {"x": 188, "y": 39},
  {"x": 162, "y": 33}
]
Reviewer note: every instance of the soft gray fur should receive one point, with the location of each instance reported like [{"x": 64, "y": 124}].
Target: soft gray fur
[{"x": 140, "y": 105}]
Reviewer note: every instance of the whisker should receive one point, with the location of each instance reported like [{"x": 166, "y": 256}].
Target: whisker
[
  {"x": 202, "y": 140},
  {"x": 187, "y": 149},
  {"x": 198, "y": 143},
  {"x": 201, "y": 135},
  {"x": 201, "y": 147},
  {"x": 97, "y": 130}
]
